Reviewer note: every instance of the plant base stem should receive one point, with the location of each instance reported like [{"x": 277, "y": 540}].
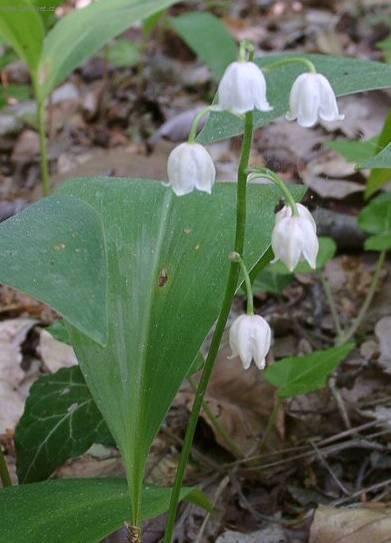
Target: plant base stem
[{"x": 134, "y": 534}]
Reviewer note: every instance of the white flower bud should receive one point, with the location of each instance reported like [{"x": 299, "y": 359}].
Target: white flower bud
[
  {"x": 294, "y": 238},
  {"x": 243, "y": 89},
  {"x": 311, "y": 98},
  {"x": 190, "y": 167},
  {"x": 250, "y": 338}
]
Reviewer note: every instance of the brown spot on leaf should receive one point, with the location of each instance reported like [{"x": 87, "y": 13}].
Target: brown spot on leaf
[{"x": 163, "y": 277}]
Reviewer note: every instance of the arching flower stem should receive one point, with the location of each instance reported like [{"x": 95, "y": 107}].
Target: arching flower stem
[
  {"x": 265, "y": 173},
  {"x": 235, "y": 257},
  {"x": 196, "y": 122}
]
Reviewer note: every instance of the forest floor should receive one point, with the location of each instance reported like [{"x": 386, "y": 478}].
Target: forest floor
[{"x": 326, "y": 461}]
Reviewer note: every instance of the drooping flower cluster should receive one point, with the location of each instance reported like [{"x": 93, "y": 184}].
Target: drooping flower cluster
[{"x": 243, "y": 89}]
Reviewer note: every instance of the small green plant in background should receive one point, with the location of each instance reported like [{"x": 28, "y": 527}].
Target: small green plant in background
[
  {"x": 373, "y": 154},
  {"x": 140, "y": 276},
  {"x": 51, "y": 54}
]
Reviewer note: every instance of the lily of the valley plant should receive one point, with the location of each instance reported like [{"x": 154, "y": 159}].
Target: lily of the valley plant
[
  {"x": 242, "y": 91},
  {"x": 141, "y": 272}
]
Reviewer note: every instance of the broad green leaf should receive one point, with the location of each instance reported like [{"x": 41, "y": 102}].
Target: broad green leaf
[
  {"x": 347, "y": 76},
  {"x": 84, "y": 32},
  {"x": 304, "y": 374},
  {"x": 381, "y": 163},
  {"x": 266, "y": 258},
  {"x": 54, "y": 251},
  {"x": 327, "y": 250},
  {"x": 123, "y": 53},
  {"x": 374, "y": 153},
  {"x": 209, "y": 38},
  {"x": 168, "y": 263},
  {"x": 375, "y": 218},
  {"x": 60, "y": 421},
  {"x": 381, "y": 160},
  {"x": 354, "y": 151},
  {"x": 381, "y": 242},
  {"x": 269, "y": 281},
  {"x": 59, "y": 332},
  {"x": 22, "y": 27},
  {"x": 78, "y": 510}
]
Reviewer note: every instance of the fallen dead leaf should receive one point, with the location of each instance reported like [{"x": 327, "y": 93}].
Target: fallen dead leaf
[
  {"x": 12, "y": 404},
  {"x": 55, "y": 354},
  {"x": 284, "y": 144},
  {"x": 364, "y": 115},
  {"x": 241, "y": 401},
  {"x": 325, "y": 177},
  {"x": 178, "y": 127},
  {"x": 360, "y": 525},
  {"x": 12, "y": 334},
  {"x": 87, "y": 466},
  {"x": 120, "y": 162},
  {"x": 380, "y": 413},
  {"x": 26, "y": 148},
  {"x": 332, "y": 188},
  {"x": 271, "y": 534},
  {"x": 383, "y": 334}
]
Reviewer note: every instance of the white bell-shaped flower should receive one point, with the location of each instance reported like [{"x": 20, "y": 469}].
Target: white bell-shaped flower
[
  {"x": 312, "y": 98},
  {"x": 294, "y": 238},
  {"x": 250, "y": 338},
  {"x": 190, "y": 167},
  {"x": 242, "y": 89}
]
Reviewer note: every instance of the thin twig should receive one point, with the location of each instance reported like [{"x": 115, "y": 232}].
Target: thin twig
[
  {"x": 331, "y": 302},
  {"x": 220, "y": 489},
  {"x": 326, "y": 451},
  {"x": 326, "y": 465},
  {"x": 339, "y": 401},
  {"x": 304, "y": 448},
  {"x": 359, "y": 493}
]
